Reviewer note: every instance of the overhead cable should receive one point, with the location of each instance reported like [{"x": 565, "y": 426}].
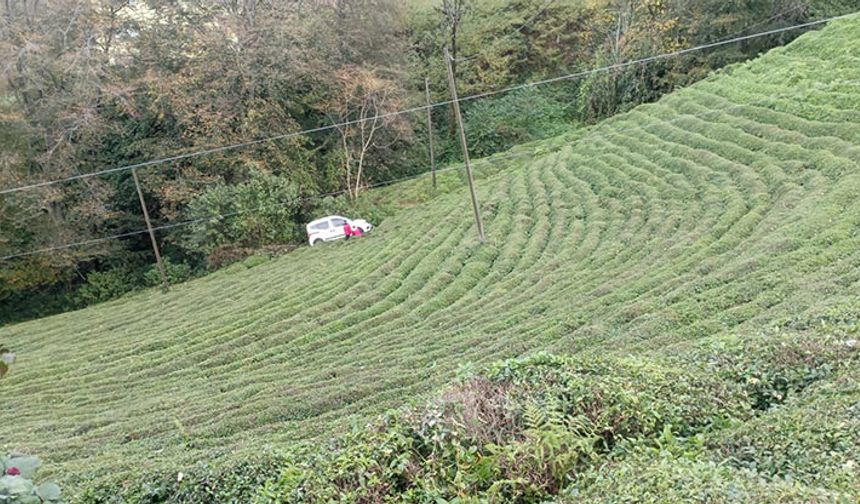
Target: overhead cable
[{"x": 608, "y": 68}]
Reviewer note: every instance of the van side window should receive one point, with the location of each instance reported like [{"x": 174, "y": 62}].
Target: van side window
[
  {"x": 320, "y": 226},
  {"x": 338, "y": 222}
]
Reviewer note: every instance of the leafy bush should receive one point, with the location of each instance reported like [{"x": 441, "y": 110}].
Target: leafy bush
[
  {"x": 658, "y": 476},
  {"x": 235, "y": 482},
  {"x": 176, "y": 273},
  {"x": 497, "y": 124},
  {"x": 627, "y": 397},
  {"x": 262, "y": 211},
  {"x": 115, "y": 282},
  {"x": 774, "y": 367},
  {"x": 106, "y": 285},
  {"x": 518, "y": 434},
  {"x": 814, "y": 440}
]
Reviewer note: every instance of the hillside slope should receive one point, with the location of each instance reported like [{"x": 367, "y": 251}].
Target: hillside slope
[{"x": 728, "y": 207}]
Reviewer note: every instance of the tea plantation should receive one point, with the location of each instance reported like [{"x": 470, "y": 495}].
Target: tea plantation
[{"x": 695, "y": 262}]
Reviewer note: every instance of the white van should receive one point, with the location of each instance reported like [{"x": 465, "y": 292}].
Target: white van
[{"x": 333, "y": 228}]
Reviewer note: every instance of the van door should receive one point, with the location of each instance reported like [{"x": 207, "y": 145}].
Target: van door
[
  {"x": 321, "y": 230},
  {"x": 337, "y": 224}
]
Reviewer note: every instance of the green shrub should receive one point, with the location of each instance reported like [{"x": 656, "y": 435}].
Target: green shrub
[
  {"x": 774, "y": 367},
  {"x": 114, "y": 283},
  {"x": 106, "y": 285},
  {"x": 812, "y": 439},
  {"x": 236, "y": 482},
  {"x": 658, "y": 476},
  {"x": 518, "y": 434},
  {"x": 627, "y": 398},
  {"x": 497, "y": 124},
  {"x": 264, "y": 210},
  {"x": 175, "y": 272}
]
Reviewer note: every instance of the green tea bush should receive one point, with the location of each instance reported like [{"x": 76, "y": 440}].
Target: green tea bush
[
  {"x": 659, "y": 476},
  {"x": 235, "y": 482},
  {"x": 775, "y": 366},
  {"x": 520, "y": 433},
  {"x": 626, "y": 398},
  {"x": 813, "y": 439}
]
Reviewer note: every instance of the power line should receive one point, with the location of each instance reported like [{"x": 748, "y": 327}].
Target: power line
[
  {"x": 738, "y": 32},
  {"x": 422, "y": 108},
  {"x": 594, "y": 134},
  {"x": 658, "y": 57},
  {"x": 768, "y": 20},
  {"x": 211, "y": 217}
]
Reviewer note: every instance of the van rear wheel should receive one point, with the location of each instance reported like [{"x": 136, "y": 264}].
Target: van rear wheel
[{"x": 314, "y": 243}]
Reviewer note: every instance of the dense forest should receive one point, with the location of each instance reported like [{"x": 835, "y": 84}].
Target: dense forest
[{"x": 91, "y": 85}]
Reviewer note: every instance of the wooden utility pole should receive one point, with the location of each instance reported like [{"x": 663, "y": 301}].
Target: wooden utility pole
[
  {"x": 430, "y": 132},
  {"x": 455, "y": 102},
  {"x": 164, "y": 283}
]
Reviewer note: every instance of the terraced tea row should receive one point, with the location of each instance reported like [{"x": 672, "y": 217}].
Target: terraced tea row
[{"x": 723, "y": 207}]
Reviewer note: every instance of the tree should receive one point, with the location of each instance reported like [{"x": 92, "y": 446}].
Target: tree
[
  {"x": 634, "y": 29},
  {"x": 87, "y": 85},
  {"x": 361, "y": 108},
  {"x": 453, "y": 13},
  {"x": 57, "y": 75},
  {"x": 367, "y": 32}
]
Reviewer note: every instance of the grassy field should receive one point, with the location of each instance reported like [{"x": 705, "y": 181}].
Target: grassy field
[{"x": 729, "y": 207}]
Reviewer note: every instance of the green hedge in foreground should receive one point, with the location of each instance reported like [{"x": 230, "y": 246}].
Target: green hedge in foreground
[
  {"x": 519, "y": 433},
  {"x": 814, "y": 440},
  {"x": 693, "y": 427},
  {"x": 664, "y": 477}
]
